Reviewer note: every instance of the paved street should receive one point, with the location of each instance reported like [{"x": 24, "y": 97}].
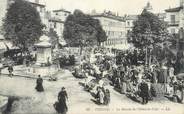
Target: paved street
[{"x": 33, "y": 102}]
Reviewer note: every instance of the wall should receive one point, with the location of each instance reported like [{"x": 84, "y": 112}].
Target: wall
[
  {"x": 58, "y": 27},
  {"x": 61, "y": 15},
  {"x": 129, "y": 25},
  {"x": 3, "y": 7},
  {"x": 173, "y": 26},
  {"x": 43, "y": 54},
  {"x": 115, "y": 30}
]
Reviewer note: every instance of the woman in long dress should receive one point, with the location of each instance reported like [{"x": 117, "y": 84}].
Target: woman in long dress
[
  {"x": 101, "y": 97},
  {"x": 107, "y": 97},
  {"x": 39, "y": 86}
]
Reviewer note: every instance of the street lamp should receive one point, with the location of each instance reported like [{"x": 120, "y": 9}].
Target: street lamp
[{"x": 147, "y": 35}]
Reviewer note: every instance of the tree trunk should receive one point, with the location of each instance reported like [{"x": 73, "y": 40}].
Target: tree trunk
[
  {"x": 81, "y": 48},
  {"x": 146, "y": 61},
  {"x": 99, "y": 44}
]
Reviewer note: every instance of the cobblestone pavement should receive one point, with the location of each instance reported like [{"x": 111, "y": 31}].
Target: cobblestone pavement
[{"x": 80, "y": 101}]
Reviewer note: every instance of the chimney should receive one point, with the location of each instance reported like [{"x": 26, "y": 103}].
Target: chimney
[{"x": 37, "y": 1}]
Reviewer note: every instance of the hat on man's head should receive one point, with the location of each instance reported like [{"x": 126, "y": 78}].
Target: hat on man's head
[{"x": 63, "y": 88}]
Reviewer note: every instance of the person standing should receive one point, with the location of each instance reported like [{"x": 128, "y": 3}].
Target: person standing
[
  {"x": 39, "y": 86},
  {"x": 171, "y": 72},
  {"x": 144, "y": 92},
  {"x": 10, "y": 70},
  {"x": 107, "y": 97},
  {"x": 1, "y": 67},
  {"x": 101, "y": 97},
  {"x": 164, "y": 73},
  {"x": 61, "y": 106}
]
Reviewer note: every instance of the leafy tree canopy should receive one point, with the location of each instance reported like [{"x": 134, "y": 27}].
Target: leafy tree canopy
[
  {"x": 54, "y": 38},
  {"x": 148, "y": 30},
  {"x": 22, "y": 24},
  {"x": 81, "y": 29}
]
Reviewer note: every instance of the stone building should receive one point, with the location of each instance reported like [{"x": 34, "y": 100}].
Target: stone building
[
  {"x": 130, "y": 19},
  {"x": 4, "y": 5},
  {"x": 57, "y": 20},
  {"x": 175, "y": 18},
  {"x": 114, "y": 27}
]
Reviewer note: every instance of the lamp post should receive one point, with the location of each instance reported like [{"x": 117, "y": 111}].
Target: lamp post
[{"x": 148, "y": 35}]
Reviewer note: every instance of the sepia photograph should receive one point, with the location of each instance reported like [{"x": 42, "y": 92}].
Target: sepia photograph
[{"x": 91, "y": 56}]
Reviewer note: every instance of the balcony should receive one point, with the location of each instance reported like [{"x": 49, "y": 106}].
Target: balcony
[{"x": 173, "y": 23}]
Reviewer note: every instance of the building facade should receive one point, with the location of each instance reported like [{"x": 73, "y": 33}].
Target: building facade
[
  {"x": 61, "y": 14},
  {"x": 129, "y": 20},
  {"x": 175, "y": 18},
  {"x": 57, "y": 20},
  {"x": 3, "y": 9},
  {"x": 114, "y": 26},
  {"x": 41, "y": 8},
  {"x": 44, "y": 14}
]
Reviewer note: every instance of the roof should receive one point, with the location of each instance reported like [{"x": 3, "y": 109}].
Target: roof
[
  {"x": 61, "y": 10},
  {"x": 109, "y": 16},
  {"x": 131, "y": 17},
  {"x": 36, "y": 4},
  {"x": 176, "y": 9},
  {"x": 56, "y": 20}
]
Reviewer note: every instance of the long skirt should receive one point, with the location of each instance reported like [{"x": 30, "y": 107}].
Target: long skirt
[
  {"x": 128, "y": 86},
  {"x": 123, "y": 87},
  {"x": 61, "y": 107},
  {"x": 39, "y": 88},
  {"x": 101, "y": 98}
]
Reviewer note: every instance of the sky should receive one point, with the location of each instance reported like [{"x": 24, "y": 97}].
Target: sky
[{"x": 120, "y": 6}]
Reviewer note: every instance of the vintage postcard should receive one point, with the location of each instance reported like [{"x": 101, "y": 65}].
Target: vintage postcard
[{"x": 91, "y": 56}]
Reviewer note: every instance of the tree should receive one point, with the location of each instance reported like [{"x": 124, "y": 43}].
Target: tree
[
  {"x": 22, "y": 24},
  {"x": 54, "y": 38},
  {"x": 148, "y": 30},
  {"x": 81, "y": 30}
]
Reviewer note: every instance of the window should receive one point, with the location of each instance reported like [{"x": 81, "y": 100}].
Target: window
[
  {"x": 128, "y": 23},
  {"x": 108, "y": 32},
  {"x": 112, "y": 33},
  {"x": 173, "y": 19},
  {"x": 55, "y": 25}
]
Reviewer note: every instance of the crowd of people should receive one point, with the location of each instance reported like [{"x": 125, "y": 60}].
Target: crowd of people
[{"x": 130, "y": 77}]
